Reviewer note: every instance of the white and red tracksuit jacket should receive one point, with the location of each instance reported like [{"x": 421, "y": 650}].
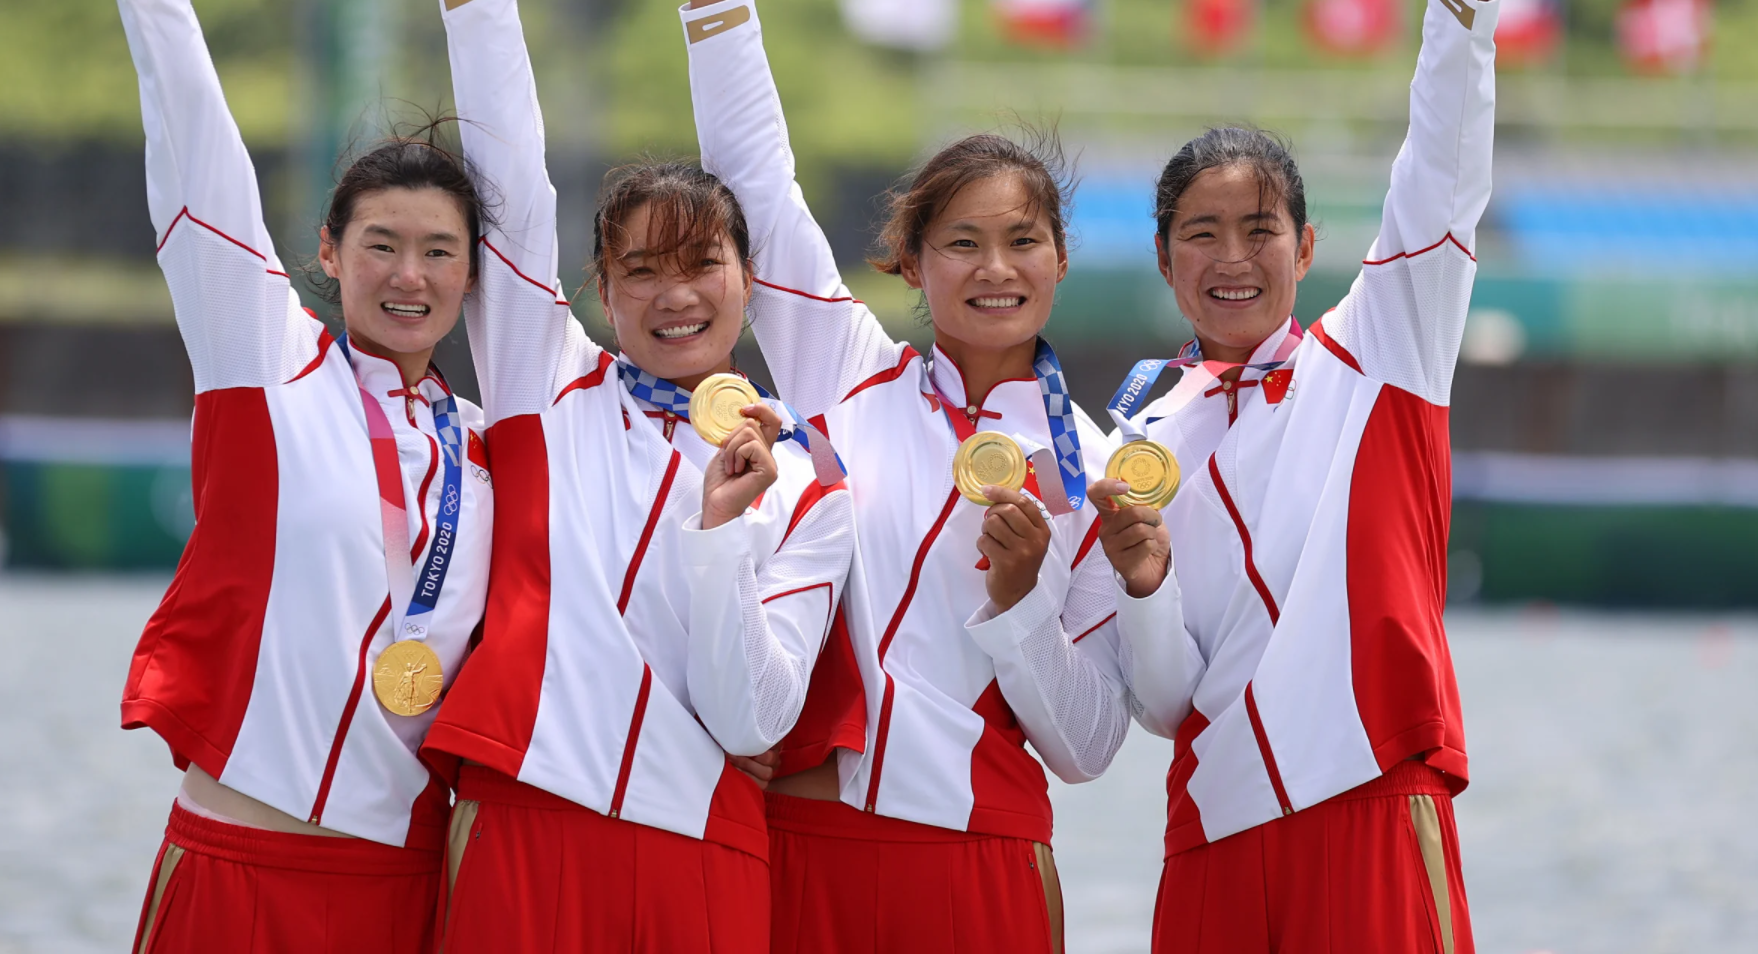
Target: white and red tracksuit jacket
[
  {"x": 625, "y": 651},
  {"x": 952, "y": 690},
  {"x": 256, "y": 665},
  {"x": 1310, "y": 537}
]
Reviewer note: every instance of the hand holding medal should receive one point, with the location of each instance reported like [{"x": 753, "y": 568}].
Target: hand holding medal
[{"x": 725, "y": 410}]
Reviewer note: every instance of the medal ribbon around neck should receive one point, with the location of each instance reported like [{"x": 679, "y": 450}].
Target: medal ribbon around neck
[
  {"x": 423, "y": 589},
  {"x": 794, "y": 427},
  {"x": 1061, "y": 475},
  {"x": 1141, "y": 378}
]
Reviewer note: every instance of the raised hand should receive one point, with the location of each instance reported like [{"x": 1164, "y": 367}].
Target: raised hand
[
  {"x": 1135, "y": 539},
  {"x": 1016, "y": 535},
  {"x": 742, "y": 469}
]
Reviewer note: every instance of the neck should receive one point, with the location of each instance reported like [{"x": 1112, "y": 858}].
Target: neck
[
  {"x": 689, "y": 382},
  {"x": 412, "y": 364},
  {"x": 1229, "y": 354},
  {"x": 983, "y": 368}
]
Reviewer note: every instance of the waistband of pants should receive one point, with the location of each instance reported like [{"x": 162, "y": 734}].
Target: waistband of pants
[
  {"x": 1408, "y": 777},
  {"x": 812, "y": 816},
  {"x": 321, "y": 854}
]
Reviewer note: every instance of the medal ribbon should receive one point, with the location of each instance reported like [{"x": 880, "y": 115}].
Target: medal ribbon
[
  {"x": 1141, "y": 378},
  {"x": 423, "y": 589},
  {"x": 667, "y": 396},
  {"x": 1061, "y": 475}
]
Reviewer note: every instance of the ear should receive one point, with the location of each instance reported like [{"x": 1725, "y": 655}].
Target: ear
[
  {"x": 750, "y": 271},
  {"x": 328, "y": 256},
  {"x": 1308, "y": 249},
  {"x": 1061, "y": 263},
  {"x": 1163, "y": 255},
  {"x": 909, "y": 268},
  {"x": 604, "y": 297}
]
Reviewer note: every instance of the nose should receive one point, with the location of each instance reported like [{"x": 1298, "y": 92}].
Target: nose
[
  {"x": 993, "y": 265},
  {"x": 408, "y": 275},
  {"x": 676, "y": 296}
]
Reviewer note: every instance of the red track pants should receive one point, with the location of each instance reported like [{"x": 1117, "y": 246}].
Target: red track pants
[
  {"x": 221, "y": 887},
  {"x": 1375, "y": 869},
  {"x": 851, "y": 882},
  {"x": 535, "y": 873}
]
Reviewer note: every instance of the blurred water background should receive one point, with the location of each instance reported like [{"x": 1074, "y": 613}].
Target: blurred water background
[{"x": 1605, "y": 413}]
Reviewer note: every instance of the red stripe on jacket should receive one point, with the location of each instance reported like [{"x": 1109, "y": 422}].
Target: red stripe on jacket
[
  {"x": 184, "y": 679},
  {"x": 502, "y": 716}
]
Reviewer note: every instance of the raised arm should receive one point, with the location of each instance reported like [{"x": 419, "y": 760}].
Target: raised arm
[
  {"x": 756, "y": 630},
  {"x": 1403, "y": 318},
  {"x": 1056, "y": 659},
  {"x": 818, "y": 341},
  {"x": 235, "y": 306},
  {"x": 526, "y": 343}
]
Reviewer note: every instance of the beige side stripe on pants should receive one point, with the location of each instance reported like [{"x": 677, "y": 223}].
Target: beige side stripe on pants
[
  {"x": 458, "y": 838},
  {"x": 168, "y": 864},
  {"x": 1434, "y": 860},
  {"x": 1052, "y": 893}
]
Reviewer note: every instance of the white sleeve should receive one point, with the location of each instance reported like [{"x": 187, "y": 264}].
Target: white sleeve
[
  {"x": 526, "y": 343},
  {"x": 756, "y": 631},
  {"x": 1161, "y": 662},
  {"x": 817, "y": 340},
  {"x": 236, "y": 309},
  {"x": 1403, "y": 318},
  {"x": 1061, "y": 675}
]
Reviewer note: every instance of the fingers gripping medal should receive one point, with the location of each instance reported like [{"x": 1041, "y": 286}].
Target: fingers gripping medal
[
  {"x": 717, "y": 406},
  {"x": 988, "y": 458},
  {"x": 1149, "y": 469}
]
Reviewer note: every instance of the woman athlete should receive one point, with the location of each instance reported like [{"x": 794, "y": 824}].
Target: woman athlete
[
  {"x": 339, "y": 561},
  {"x": 908, "y": 815},
  {"x": 660, "y": 590},
  {"x": 1309, "y": 685}
]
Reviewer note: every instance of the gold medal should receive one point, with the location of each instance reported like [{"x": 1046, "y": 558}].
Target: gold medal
[
  {"x": 717, "y": 406},
  {"x": 988, "y": 458},
  {"x": 407, "y": 678},
  {"x": 1149, "y": 469}
]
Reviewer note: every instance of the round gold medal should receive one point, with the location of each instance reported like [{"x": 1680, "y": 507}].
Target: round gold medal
[
  {"x": 407, "y": 678},
  {"x": 988, "y": 458},
  {"x": 1149, "y": 469},
  {"x": 717, "y": 404}
]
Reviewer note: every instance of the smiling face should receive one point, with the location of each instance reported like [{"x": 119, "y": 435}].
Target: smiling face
[
  {"x": 1233, "y": 260},
  {"x": 403, "y": 266},
  {"x": 676, "y": 319},
  {"x": 989, "y": 265}
]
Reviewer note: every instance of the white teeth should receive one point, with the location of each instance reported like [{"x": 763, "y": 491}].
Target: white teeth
[
  {"x": 682, "y": 331},
  {"x": 1014, "y": 302},
  {"x": 1235, "y": 294},
  {"x": 406, "y": 311}
]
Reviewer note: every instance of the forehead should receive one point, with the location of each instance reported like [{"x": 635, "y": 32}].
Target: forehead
[
  {"x": 997, "y": 201},
  {"x": 403, "y": 210},
  {"x": 643, "y": 227},
  {"x": 1229, "y": 192}
]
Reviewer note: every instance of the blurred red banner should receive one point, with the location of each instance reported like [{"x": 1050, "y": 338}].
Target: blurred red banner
[
  {"x": 1052, "y": 23},
  {"x": 1528, "y": 31},
  {"x": 1218, "y": 27},
  {"x": 1353, "y": 27},
  {"x": 1664, "y": 36}
]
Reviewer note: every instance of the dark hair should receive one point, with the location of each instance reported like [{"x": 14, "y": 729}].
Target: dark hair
[
  {"x": 412, "y": 160},
  {"x": 687, "y": 205},
  {"x": 1222, "y": 146},
  {"x": 915, "y": 202}
]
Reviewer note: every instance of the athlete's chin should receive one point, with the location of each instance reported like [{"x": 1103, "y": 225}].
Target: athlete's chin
[{"x": 996, "y": 333}]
